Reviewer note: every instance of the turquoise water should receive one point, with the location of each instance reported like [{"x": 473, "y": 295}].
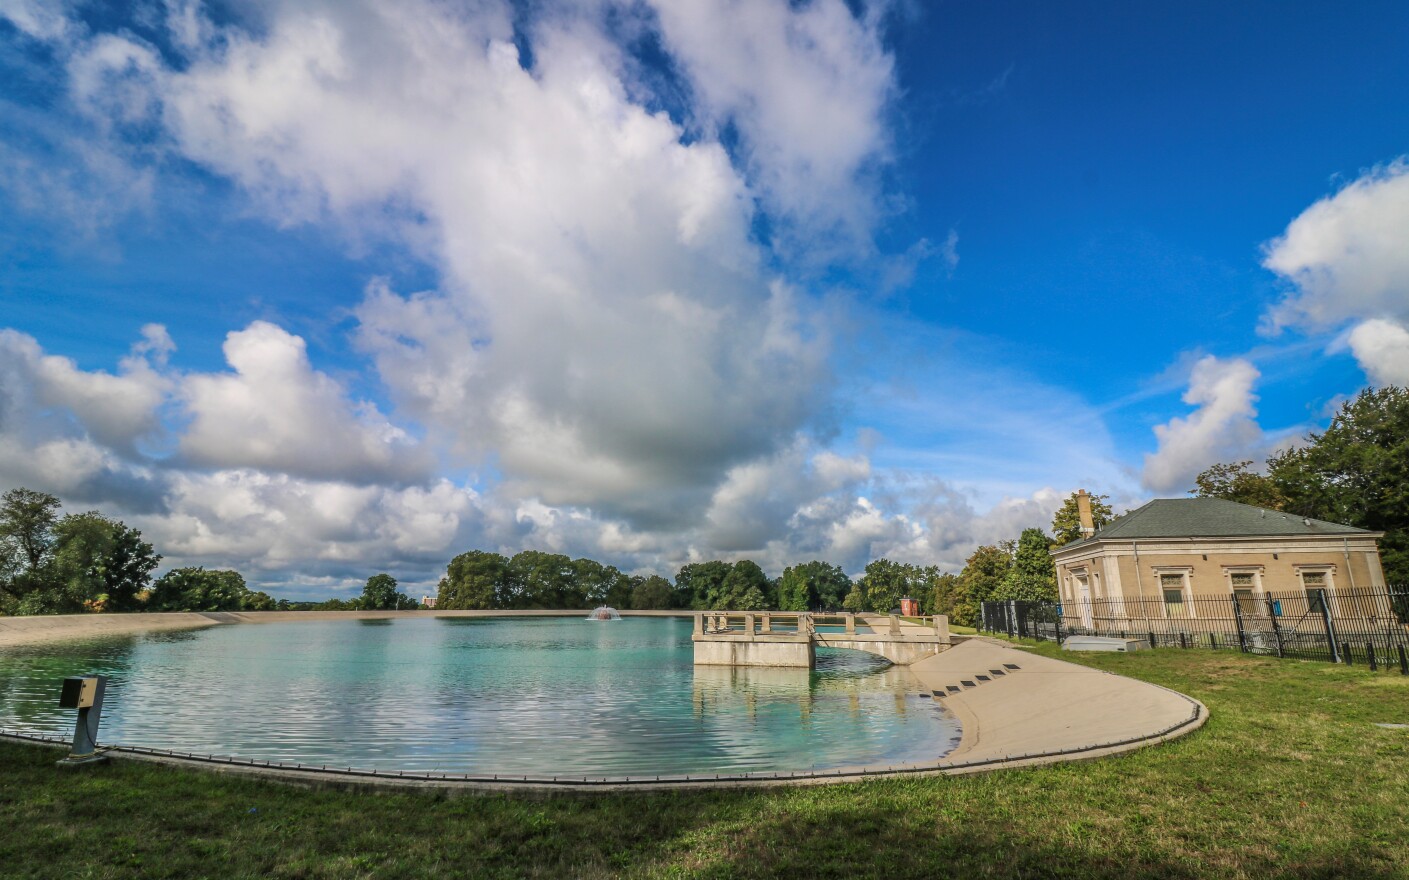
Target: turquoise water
[{"x": 522, "y": 696}]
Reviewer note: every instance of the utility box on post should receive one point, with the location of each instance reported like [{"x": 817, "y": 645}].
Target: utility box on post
[
  {"x": 84, "y": 693},
  {"x": 78, "y": 693}
]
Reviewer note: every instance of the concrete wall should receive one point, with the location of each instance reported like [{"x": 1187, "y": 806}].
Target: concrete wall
[
  {"x": 898, "y": 652},
  {"x": 790, "y": 652}
]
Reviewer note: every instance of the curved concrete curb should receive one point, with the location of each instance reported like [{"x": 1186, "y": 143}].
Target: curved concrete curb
[{"x": 1035, "y": 711}]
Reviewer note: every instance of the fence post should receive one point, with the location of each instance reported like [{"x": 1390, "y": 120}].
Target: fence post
[
  {"x": 1403, "y": 661},
  {"x": 1370, "y": 653},
  {"x": 1012, "y": 618},
  {"x": 1330, "y": 626},
  {"x": 1059, "y": 623},
  {"x": 1238, "y": 617},
  {"x": 1182, "y": 643},
  {"x": 1345, "y": 652},
  {"x": 1276, "y": 629}
]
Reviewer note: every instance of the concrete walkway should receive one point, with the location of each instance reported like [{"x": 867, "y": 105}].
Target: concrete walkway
[{"x": 1013, "y": 703}]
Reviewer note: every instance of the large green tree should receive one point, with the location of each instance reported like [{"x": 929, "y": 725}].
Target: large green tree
[
  {"x": 89, "y": 563},
  {"x": 1238, "y": 482},
  {"x": 812, "y": 585},
  {"x": 1032, "y": 576},
  {"x": 744, "y": 588},
  {"x": 1356, "y": 472},
  {"x": 592, "y": 584},
  {"x": 473, "y": 581},
  {"x": 939, "y": 591},
  {"x": 697, "y": 581},
  {"x": 99, "y": 564},
  {"x": 380, "y": 594},
  {"x": 1066, "y": 523},
  {"x": 983, "y": 573},
  {"x": 27, "y": 520},
  {"x": 541, "y": 580},
  {"x": 856, "y": 599},
  {"x": 127, "y": 570},
  {"x": 199, "y": 589},
  {"x": 652, "y": 594},
  {"x": 622, "y": 591},
  {"x": 885, "y": 582}
]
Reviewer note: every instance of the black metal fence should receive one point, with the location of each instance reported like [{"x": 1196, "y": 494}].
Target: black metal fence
[{"x": 1368, "y": 625}]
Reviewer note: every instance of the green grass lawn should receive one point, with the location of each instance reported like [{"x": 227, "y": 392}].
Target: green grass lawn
[{"x": 1290, "y": 778}]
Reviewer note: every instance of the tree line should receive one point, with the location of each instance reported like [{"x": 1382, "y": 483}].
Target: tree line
[
  {"x": 87, "y": 562},
  {"x": 532, "y": 579}
]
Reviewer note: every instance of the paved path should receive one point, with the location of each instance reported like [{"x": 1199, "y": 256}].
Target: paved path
[{"x": 1012, "y": 702}]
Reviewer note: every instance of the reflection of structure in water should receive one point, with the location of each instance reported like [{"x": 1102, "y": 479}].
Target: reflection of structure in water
[{"x": 853, "y": 676}]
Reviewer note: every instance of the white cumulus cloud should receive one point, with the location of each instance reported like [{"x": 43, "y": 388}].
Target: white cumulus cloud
[
  {"x": 1346, "y": 254},
  {"x": 606, "y": 331},
  {"x": 1382, "y": 348},
  {"x": 1223, "y": 427},
  {"x": 276, "y": 413},
  {"x": 1347, "y": 259},
  {"x": 807, "y": 86}
]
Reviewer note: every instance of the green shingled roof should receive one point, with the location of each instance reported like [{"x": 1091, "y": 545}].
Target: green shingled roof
[{"x": 1211, "y": 518}]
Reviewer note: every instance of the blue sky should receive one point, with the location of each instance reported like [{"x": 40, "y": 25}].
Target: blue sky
[{"x": 318, "y": 289}]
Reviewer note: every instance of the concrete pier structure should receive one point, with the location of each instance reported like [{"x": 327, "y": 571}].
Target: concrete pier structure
[{"x": 790, "y": 639}]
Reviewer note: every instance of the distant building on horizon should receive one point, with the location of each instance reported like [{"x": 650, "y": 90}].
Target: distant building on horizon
[
  {"x": 1173, "y": 550},
  {"x": 428, "y": 601}
]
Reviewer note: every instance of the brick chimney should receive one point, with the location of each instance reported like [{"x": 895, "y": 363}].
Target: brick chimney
[{"x": 1083, "y": 512}]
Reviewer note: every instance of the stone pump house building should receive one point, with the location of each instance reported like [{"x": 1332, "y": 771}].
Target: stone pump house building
[{"x": 1174, "y": 551}]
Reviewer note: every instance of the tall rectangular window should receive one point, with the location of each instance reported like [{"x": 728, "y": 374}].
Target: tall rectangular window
[
  {"x": 1315, "y": 600},
  {"x": 1316, "y": 584},
  {"x": 1172, "y": 585}
]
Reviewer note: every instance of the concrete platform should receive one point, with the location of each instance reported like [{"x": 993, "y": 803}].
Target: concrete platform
[
  {"x": 1103, "y": 643},
  {"x": 1013, "y": 703}
]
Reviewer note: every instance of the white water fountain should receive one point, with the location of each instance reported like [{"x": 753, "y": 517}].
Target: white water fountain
[{"x": 604, "y": 612}]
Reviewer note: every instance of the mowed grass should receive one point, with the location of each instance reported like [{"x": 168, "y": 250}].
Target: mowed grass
[{"x": 1290, "y": 778}]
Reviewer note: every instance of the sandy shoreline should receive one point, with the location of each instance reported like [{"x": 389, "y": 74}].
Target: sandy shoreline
[{"x": 17, "y": 631}]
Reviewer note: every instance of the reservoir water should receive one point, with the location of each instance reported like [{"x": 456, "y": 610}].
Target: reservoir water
[{"x": 533, "y": 696}]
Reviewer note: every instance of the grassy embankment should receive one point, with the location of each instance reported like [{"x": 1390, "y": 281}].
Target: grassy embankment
[{"x": 1290, "y": 778}]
